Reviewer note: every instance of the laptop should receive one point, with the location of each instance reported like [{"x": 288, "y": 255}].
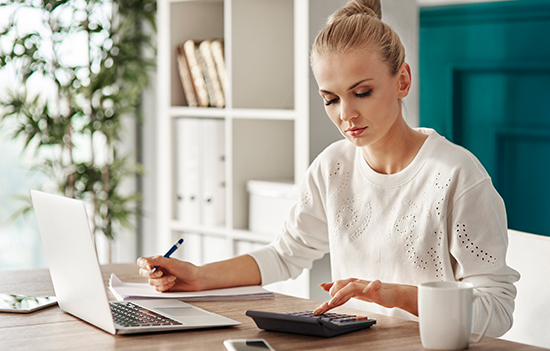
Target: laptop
[{"x": 78, "y": 283}]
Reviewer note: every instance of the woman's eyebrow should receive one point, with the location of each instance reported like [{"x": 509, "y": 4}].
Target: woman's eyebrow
[
  {"x": 350, "y": 88},
  {"x": 359, "y": 82}
]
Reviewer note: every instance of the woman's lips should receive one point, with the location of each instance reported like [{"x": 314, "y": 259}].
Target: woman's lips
[{"x": 355, "y": 131}]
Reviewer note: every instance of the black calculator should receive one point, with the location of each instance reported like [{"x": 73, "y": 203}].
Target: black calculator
[{"x": 308, "y": 323}]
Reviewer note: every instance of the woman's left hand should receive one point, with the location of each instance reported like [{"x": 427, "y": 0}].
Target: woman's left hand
[{"x": 384, "y": 294}]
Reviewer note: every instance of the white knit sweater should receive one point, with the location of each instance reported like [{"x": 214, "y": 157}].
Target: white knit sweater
[{"x": 438, "y": 219}]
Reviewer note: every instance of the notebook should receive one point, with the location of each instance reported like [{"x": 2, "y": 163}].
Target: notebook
[
  {"x": 128, "y": 291},
  {"x": 78, "y": 283}
]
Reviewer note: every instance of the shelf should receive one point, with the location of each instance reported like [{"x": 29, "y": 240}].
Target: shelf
[
  {"x": 235, "y": 234},
  {"x": 266, "y": 131},
  {"x": 207, "y": 112},
  {"x": 268, "y": 114},
  {"x": 241, "y": 113}
]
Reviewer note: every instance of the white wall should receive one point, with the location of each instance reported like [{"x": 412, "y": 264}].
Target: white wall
[
  {"x": 451, "y": 2},
  {"x": 147, "y": 242},
  {"x": 402, "y": 16}
]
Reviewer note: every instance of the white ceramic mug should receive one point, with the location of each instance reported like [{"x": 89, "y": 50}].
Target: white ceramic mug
[{"x": 445, "y": 310}]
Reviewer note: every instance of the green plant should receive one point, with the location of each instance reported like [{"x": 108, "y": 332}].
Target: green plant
[{"x": 87, "y": 58}]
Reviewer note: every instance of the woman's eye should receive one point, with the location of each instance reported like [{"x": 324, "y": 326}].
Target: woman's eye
[
  {"x": 365, "y": 94},
  {"x": 331, "y": 101}
]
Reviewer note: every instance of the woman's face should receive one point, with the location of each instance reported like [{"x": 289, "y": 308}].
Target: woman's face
[{"x": 361, "y": 97}]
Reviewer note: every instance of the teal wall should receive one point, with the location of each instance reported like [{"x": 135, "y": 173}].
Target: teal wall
[{"x": 485, "y": 84}]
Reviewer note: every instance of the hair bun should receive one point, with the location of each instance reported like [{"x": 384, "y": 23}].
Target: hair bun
[{"x": 372, "y": 8}]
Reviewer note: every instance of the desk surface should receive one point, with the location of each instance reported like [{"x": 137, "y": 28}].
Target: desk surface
[{"x": 52, "y": 329}]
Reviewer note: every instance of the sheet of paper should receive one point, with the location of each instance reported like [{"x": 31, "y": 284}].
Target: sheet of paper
[{"x": 125, "y": 291}]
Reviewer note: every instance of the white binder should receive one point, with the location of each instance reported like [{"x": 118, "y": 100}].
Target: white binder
[
  {"x": 188, "y": 168},
  {"x": 190, "y": 250},
  {"x": 212, "y": 198},
  {"x": 214, "y": 248}
]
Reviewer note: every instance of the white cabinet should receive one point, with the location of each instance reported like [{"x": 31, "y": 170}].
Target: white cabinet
[{"x": 272, "y": 127}]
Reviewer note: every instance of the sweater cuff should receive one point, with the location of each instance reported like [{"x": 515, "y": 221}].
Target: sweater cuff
[{"x": 271, "y": 267}]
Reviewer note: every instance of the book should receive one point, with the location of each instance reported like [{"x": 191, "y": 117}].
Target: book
[
  {"x": 201, "y": 68},
  {"x": 185, "y": 77},
  {"x": 211, "y": 77},
  {"x": 125, "y": 291},
  {"x": 216, "y": 48},
  {"x": 208, "y": 81},
  {"x": 189, "y": 48}
]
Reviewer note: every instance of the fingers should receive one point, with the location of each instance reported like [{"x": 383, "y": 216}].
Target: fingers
[
  {"x": 172, "y": 274},
  {"x": 326, "y": 286},
  {"x": 147, "y": 264},
  {"x": 163, "y": 284},
  {"x": 384, "y": 294},
  {"x": 341, "y": 291},
  {"x": 342, "y": 296},
  {"x": 372, "y": 288},
  {"x": 157, "y": 279},
  {"x": 322, "y": 309},
  {"x": 145, "y": 268},
  {"x": 146, "y": 273}
]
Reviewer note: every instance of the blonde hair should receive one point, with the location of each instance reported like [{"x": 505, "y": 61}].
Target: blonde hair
[{"x": 357, "y": 26}]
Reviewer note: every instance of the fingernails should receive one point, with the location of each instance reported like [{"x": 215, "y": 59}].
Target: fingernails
[
  {"x": 171, "y": 279},
  {"x": 333, "y": 301},
  {"x": 318, "y": 311}
]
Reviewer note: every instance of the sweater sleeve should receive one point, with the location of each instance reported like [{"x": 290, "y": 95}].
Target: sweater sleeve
[
  {"x": 304, "y": 238},
  {"x": 478, "y": 240}
]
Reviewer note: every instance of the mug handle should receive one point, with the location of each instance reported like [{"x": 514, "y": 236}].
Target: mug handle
[{"x": 484, "y": 329}]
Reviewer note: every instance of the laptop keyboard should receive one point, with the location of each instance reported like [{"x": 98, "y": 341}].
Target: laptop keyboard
[{"x": 128, "y": 314}]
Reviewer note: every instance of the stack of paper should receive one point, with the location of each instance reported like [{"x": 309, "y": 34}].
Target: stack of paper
[{"x": 124, "y": 291}]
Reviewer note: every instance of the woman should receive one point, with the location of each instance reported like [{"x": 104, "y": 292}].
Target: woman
[{"x": 395, "y": 206}]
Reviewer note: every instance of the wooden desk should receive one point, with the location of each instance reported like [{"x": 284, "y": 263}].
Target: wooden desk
[{"x": 52, "y": 329}]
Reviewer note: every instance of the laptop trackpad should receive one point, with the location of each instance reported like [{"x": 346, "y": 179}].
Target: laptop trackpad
[
  {"x": 181, "y": 312},
  {"x": 186, "y": 313},
  {"x": 193, "y": 316}
]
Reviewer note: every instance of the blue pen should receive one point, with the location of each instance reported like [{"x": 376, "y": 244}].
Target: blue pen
[{"x": 168, "y": 254}]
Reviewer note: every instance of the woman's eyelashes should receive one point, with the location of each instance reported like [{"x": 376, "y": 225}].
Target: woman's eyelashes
[
  {"x": 330, "y": 101},
  {"x": 363, "y": 94}
]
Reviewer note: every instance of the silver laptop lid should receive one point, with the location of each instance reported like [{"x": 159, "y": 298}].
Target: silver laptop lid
[{"x": 72, "y": 259}]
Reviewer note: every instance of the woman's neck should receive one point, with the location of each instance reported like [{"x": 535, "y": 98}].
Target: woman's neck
[{"x": 397, "y": 151}]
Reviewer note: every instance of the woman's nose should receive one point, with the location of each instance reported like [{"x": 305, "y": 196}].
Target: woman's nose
[{"x": 347, "y": 111}]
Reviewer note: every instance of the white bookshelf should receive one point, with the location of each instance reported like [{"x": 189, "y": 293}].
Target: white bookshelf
[
  {"x": 269, "y": 133},
  {"x": 274, "y": 121}
]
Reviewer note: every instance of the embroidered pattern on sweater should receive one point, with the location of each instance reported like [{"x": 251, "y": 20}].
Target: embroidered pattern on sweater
[
  {"x": 438, "y": 208},
  {"x": 433, "y": 207},
  {"x": 435, "y": 256},
  {"x": 441, "y": 183},
  {"x": 405, "y": 227},
  {"x": 337, "y": 171},
  {"x": 306, "y": 200},
  {"x": 467, "y": 243},
  {"x": 352, "y": 217},
  {"x": 349, "y": 220}
]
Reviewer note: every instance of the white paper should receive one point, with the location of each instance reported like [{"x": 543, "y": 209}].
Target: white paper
[{"x": 124, "y": 291}]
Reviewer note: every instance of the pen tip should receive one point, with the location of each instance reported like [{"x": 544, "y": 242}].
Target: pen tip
[{"x": 180, "y": 241}]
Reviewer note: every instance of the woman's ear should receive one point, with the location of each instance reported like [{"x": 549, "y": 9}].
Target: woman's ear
[{"x": 404, "y": 80}]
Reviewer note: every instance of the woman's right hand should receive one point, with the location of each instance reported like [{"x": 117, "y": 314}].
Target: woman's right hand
[{"x": 172, "y": 274}]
